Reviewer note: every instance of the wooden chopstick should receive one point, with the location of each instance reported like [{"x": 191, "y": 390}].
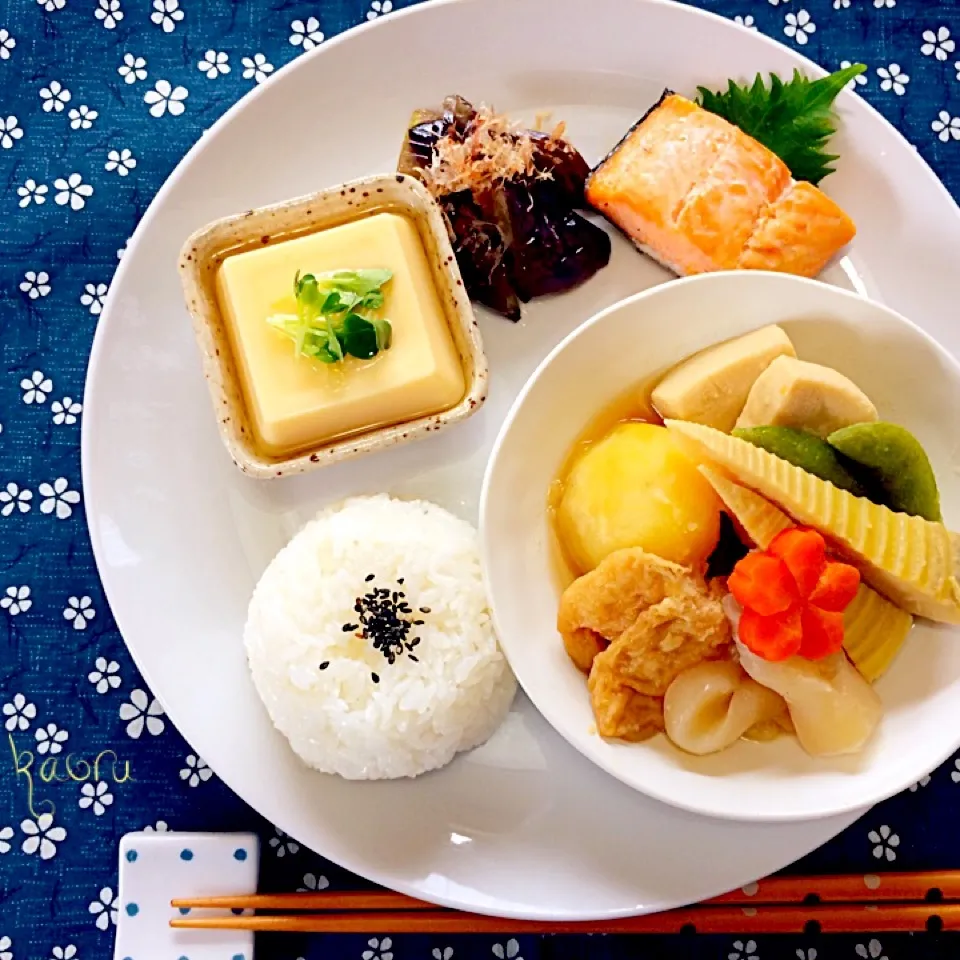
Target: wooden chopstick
[
  {"x": 843, "y": 918},
  {"x": 850, "y": 888},
  {"x": 372, "y": 900},
  {"x": 934, "y": 886}
]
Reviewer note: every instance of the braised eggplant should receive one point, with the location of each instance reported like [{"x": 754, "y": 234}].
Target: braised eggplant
[
  {"x": 509, "y": 196},
  {"x": 553, "y": 248}
]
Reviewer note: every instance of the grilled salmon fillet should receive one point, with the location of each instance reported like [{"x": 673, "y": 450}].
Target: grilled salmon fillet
[{"x": 698, "y": 194}]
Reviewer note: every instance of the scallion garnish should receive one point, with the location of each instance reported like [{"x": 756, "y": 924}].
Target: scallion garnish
[{"x": 337, "y": 315}]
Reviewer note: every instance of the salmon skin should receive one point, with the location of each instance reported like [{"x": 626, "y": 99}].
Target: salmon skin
[{"x": 698, "y": 194}]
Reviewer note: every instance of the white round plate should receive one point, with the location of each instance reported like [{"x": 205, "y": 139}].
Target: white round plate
[
  {"x": 524, "y": 827},
  {"x": 630, "y": 343}
]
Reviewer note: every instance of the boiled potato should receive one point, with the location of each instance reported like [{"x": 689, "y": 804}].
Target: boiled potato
[{"x": 637, "y": 488}]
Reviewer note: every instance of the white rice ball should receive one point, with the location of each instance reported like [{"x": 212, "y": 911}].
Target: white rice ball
[{"x": 344, "y": 707}]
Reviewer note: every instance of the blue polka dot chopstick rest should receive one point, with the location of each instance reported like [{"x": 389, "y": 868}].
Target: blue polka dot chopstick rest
[{"x": 157, "y": 867}]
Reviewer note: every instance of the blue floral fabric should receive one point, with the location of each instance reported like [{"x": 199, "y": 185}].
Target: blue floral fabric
[{"x": 83, "y": 84}]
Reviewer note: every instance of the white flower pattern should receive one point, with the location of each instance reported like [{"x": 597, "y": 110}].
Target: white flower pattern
[
  {"x": 20, "y": 713},
  {"x": 121, "y": 161},
  {"x": 256, "y": 68},
  {"x": 281, "y": 844},
  {"x": 312, "y": 883},
  {"x": 55, "y": 97},
  {"x": 378, "y": 949},
  {"x": 79, "y": 611},
  {"x": 799, "y": 26},
  {"x": 133, "y": 68},
  {"x": 885, "y": 843},
  {"x": 10, "y": 131},
  {"x": 142, "y": 713},
  {"x": 306, "y": 33},
  {"x": 42, "y": 836},
  {"x": 50, "y": 739},
  {"x": 507, "y": 951},
  {"x": 32, "y": 192},
  {"x": 14, "y": 499},
  {"x": 166, "y": 98},
  {"x": 105, "y": 675},
  {"x": 937, "y": 43},
  {"x": 109, "y": 13},
  {"x": 745, "y": 21},
  {"x": 166, "y": 14},
  {"x": 378, "y": 8},
  {"x": 893, "y": 78},
  {"x": 66, "y": 411},
  {"x": 95, "y": 797},
  {"x": 93, "y": 297},
  {"x": 196, "y": 771},
  {"x": 72, "y": 190},
  {"x": 58, "y": 499},
  {"x": 6, "y": 835},
  {"x": 215, "y": 63},
  {"x": 16, "y": 600},
  {"x": 82, "y": 117},
  {"x": 946, "y": 127},
  {"x": 36, "y": 387},
  {"x": 7, "y": 43},
  {"x": 35, "y": 284},
  {"x": 743, "y": 950},
  {"x": 871, "y": 950},
  {"x": 105, "y": 908}
]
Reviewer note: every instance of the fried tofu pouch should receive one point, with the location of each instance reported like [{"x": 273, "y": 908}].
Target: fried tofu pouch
[{"x": 633, "y": 624}]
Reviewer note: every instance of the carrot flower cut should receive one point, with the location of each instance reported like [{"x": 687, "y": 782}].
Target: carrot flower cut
[{"x": 793, "y": 597}]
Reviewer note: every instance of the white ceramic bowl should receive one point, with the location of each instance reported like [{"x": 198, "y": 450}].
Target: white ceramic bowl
[{"x": 912, "y": 380}]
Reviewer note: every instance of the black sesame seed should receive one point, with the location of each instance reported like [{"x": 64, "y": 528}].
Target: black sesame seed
[
  {"x": 368, "y": 578},
  {"x": 413, "y": 658},
  {"x": 383, "y": 616},
  {"x": 374, "y": 678},
  {"x": 424, "y": 609},
  {"x": 325, "y": 664}
]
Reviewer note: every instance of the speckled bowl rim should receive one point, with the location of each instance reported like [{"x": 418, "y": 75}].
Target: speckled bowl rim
[{"x": 205, "y": 249}]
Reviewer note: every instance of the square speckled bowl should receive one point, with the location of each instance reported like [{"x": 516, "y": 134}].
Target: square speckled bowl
[{"x": 206, "y": 249}]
